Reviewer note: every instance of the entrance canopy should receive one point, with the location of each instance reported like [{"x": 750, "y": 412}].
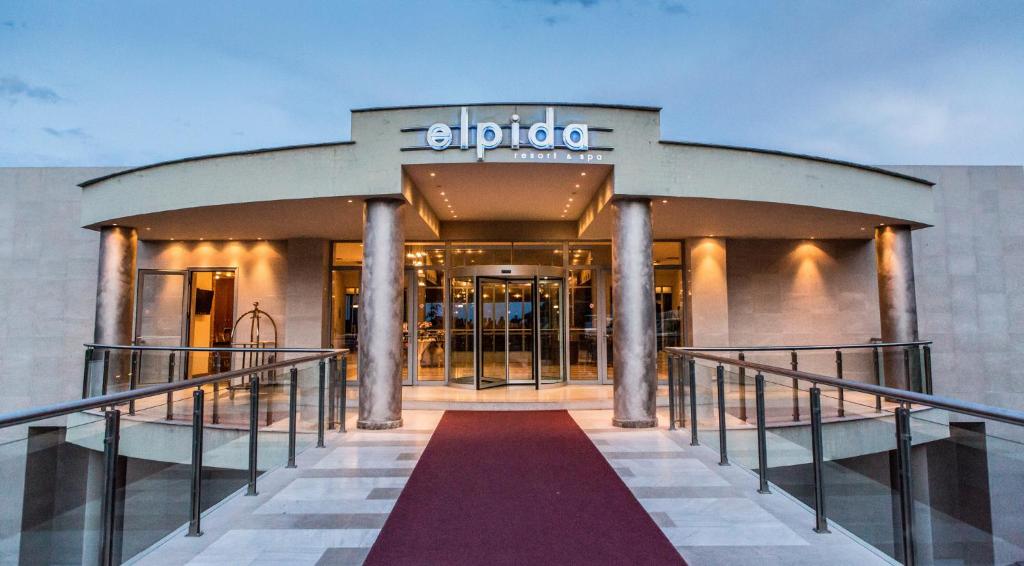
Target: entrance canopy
[{"x": 458, "y": 189}]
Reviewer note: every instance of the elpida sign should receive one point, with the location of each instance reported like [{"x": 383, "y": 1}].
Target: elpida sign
[{"x": 483, "y": 136}]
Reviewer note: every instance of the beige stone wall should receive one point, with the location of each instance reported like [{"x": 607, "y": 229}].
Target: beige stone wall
[
  {"x": 969, "y": 269},
  {"x": 796, "y": 292}
]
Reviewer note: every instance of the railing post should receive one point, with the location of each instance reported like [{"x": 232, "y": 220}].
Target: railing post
[
  {"x": 820, "y": 520},
  {"x": 903, "y": 469},
  {"x": 111, "y": 441},
  {"x": 106, "y": 371},
  {"x": 170, "y": 379},
  {"x": 332, "y": 390},
  {"x": 85, "y": 373},
  {"x": 927, "y": 369},
  {"x": 723, "y": 452},
  {"x": 320, "y": 406},
  {"x": 762, "y": 440},
  {"x": 693, "y": 401},
  {"x": 344, "y": 392},
  {"x": 743, "y": 388},
  {"x": 254, "y": 416},
  {"x": 133, "y": 365},
  {"x": 842, "y": 392},
  {"x": 293, "y": 394},
  {"x": 796, "y": 386},
  {"x": 911, "y": 386},
  {"x": 195, "y": 508},
  {"x": 879, "y": 375},
  {"x": 671, "y": 393},
  {"x": 681, "y": 391}
]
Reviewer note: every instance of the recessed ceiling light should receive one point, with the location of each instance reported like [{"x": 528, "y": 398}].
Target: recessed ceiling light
[
  {"x": 664, "y": 201},
  {"x": 442, "y": 193},
  {"x": 172, "y": 239},
  {"x": 432, "y": 174},
  {"x": 446, "y": 199},
  {"x": 583, "y": 174},
  {"x": 577, "y": 185},
  {"x": 570, "y": 199},
  {"x": 349, "y": 200},
  {"x": 147, "y": 228},
  {"x": 115, "y": 223},
  {"x": 200, "y": 239}
]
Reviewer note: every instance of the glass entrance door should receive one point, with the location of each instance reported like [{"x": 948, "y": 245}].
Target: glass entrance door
[{"x": 493, "y": 332}]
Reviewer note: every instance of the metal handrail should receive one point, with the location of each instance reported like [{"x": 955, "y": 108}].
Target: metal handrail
[
  {"x": 801, "y": 348},
  {"x": 1008, "y": 416},
  {"x": 59, "y": 409},
  {"x": 213, "y": 349}
]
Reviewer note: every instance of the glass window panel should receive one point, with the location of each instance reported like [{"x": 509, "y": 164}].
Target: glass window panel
[
  {"x": 481, "y": 253},
  {"x": 590, "y": 254},
  {"x": 430, "y": 335},
  {"x": 537, "y": 254},
  {"x": 347, "y": 254},
  {"x": 583, "y": 325},
  {"x": 345, "y": 315},
  {"x": 668, "y": 285},
  {"x": 428, "y": 254},
  {"x": 667, "y": 253},
  {"x": 463, "y": 296}
]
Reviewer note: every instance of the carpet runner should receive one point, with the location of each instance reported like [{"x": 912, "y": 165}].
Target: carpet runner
[{"x": 517, "y": 487}]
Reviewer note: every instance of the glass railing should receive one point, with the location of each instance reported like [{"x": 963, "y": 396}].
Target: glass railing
[
  {"x": 922, "y": 478},
  {"x": 101, "y": 479}
]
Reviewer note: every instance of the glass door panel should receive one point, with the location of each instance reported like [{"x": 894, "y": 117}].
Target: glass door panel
[
  {"x": 549, "y": 325},
  {"x": 430, "y": 322},
  {"x": 520, "y": 331},
  {"x": 345, "y": 316},
  {"x": 160, "y": 321},
  {"x": 493, "y": 332},
  {"x": 463, "y": 326},
  {"x": 583, "y": 326}
]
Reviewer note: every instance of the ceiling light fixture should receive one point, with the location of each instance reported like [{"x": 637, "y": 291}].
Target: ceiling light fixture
[
  {"x": 349, "y": 200},
  {"x": 432, "y": 174},
  {"x": 583, "y": 174}
]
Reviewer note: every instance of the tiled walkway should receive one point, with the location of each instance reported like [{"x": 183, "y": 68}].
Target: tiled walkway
[{"x": 330, "y": 509}]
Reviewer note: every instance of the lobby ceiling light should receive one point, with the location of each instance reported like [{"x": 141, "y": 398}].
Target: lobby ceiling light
[
  {"x": 570, "y": 199},
  {"x": 664, "y": 201},
  {"x": 577, "y": 185},
  {"x": 442, "y": 193},
  {"x": 583, "y": 174},
  {"x": 432, "y": 174},
  {"x": 349, "y": 200}
]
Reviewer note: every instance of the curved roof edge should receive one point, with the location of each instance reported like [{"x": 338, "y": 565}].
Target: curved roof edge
[
  {"x": 211, "y": 156},
  {"x": 805, "y": 156},
  {"x": 578, "y": 104}
]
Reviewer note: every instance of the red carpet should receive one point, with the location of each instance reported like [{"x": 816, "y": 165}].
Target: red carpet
[{"x": 517, "y": 487}]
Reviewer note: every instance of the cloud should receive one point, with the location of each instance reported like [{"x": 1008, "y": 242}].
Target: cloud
[
  {"x": 70, "y": 133},
  {"x": 7, "y": 24},
  {"x": 555, "y": 20},
  {"x": 13, "y": 88},
  {"x": 583, "y": 3},
  {"x": 673, "y": 7}
]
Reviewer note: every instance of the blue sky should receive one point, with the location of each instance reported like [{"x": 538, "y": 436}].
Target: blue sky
[{"x": 128, "y": 83}]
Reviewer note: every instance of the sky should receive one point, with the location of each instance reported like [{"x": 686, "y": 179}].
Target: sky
[{"x": 129, "y": 83}]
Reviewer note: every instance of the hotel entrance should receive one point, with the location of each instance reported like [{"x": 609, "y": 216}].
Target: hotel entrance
[{"x": 508, "y": 326}]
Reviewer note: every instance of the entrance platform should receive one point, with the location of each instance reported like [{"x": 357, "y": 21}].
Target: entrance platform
[
  {"x": 514, "y": 398},
  {"x": 330, "y": 509}
]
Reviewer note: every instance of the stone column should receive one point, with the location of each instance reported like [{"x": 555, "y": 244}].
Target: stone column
[
  {"x": 633, "y": 340},
  {"x": 115, "y": 295},
  {"x": 897, "y": 300},
  {"x": 380, "y": 315}
]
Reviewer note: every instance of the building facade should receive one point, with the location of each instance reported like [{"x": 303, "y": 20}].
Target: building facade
[{"x": 536, "y": 245}]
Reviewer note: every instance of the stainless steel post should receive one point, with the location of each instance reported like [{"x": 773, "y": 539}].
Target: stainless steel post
[
  {"x": 133, "y": 379},
  {"x": 320, "y": 405},
  {"x": 293, "y": 409},
  {"x": 903, "y": 465},
  {"x": 693, "y": 401},
  {"x": 927, "y": 369},
  {"x": 911, "y": 386},
  {"x": 820, "y": 520},
  {"x": 723, "y": 453},
  {"x": 634, "y": 345},
  {"x": 681, "y": 390},
  {"x": 85, "y": 374},
  {"x": 111, "y": 441},
  {"x": 879, "y": 376},
  {"x": 762, "y": 437},
  {"x": 106, "y": 371},
  {"x": 195, "y": 500},
  {"x": 170, "y": 379},
  {"x": 671, "y": 393},
  {"x": 742, "y": 371},
  {"x": 254, "y": 415},
  {"x": 841, "y": 392},
  {"x": 796, "y": 386},
  {"x": 343, "y": 404}
]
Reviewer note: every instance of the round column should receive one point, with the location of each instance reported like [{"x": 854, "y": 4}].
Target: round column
[
  {"x": 897, "y": 299},
  {"x": 115, "y": 285},
  {"x": 380, "y": 315},
  {"x": 633, "y": 340}
]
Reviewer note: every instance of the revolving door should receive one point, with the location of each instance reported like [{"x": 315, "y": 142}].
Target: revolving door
[{"x": 507, "y": 326}]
